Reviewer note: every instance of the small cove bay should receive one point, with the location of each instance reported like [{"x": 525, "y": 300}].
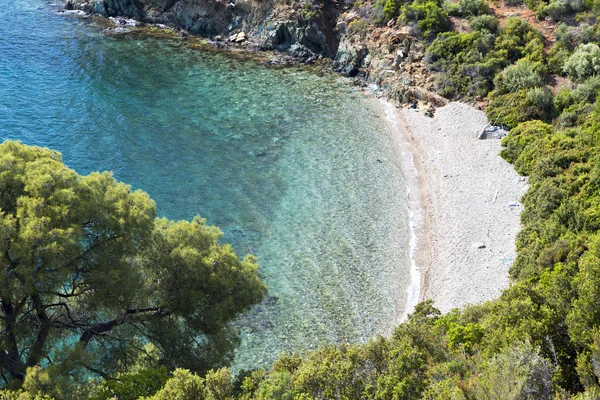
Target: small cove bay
[{"x": 294, "y": 168}]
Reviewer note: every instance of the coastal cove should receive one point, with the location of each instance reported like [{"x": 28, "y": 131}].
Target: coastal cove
[
  {"x": 206, "y": 199},
  {"x": 294, "y": 168}
]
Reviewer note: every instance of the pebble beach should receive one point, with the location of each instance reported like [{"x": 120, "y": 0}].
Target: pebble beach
[{"x": 464, "y": 205}]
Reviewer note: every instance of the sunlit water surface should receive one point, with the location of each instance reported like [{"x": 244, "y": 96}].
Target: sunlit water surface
[{"x": 293, "y": 167}]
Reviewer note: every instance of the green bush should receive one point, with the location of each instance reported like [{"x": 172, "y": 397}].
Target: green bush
[
  {"x": 484, "y": 22},
  {"x": 584, "y": 62},
  {"x": 517, "y": 372},
  {"x": 518, "y": 139},
  {"x": 557, "y": 57},
  {"x": 133, "y": 385},
  {"x": 573, "y": 115},
  {"x": 588, "y": 90},
  {"x": 541, "y": 98},
  {"x": 391, "y": 9},
  {"x": 577, "y": 6},
  {"x": 428, "y": 15},
  {"x": 462, "y": 59},
  {"x": 472, "y": 8},
  {"x": 562, "y": 34},
  {"x": 563, "y": 99},
  {"x": 588, "y": 34},
  {"x": 556, "y": 10},
  {"x": 184, "y": 385},
  {"x": 521, "y": 75},
  {"x": 535, "y": 5},
  {"x": 511, "y": 109},
  {"x": 515, "y": 36}
]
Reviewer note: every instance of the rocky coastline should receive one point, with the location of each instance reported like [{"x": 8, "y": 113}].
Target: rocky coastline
[{"x": 328, "y": 32}]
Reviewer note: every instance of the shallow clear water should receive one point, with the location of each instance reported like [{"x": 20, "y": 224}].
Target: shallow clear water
[{"x": 293, "y": 167}]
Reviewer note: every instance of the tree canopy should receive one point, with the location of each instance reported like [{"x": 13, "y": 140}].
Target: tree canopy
[{"x": 90, "y": 279}]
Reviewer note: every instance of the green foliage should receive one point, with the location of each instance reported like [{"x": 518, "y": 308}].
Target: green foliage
[
  {"x": 311, "y": 11},
  {"x": 511, "y": 109},
  {"x": 573, "y": 115},
  {"x": 588, "y": 34},
  {"x": 461, "y": 59},
  {"x": 563, "y": 99},
  {"x": 472, "y": 8},
  {"x": 519, "y": 76},
  {"x": 563, "y": 36},
  {"x": 557, "y": 57},
  {"x": 518, "y": 142},
  {"x": 91, "y": 276},
  {"x": 588, "y": 90},
  {"x": 133, "y": 385},
  {"x": 428, "y": 15},
  {"x": 391, "y": 9},
  {"x": 517, "y": 372},
  {"x": 468, "y": 335},
  {"x": 484, "y": 23},
  {"x": 515, "y": 35},
  {"x": 541, "y": 98},
  {"x": 556, "y": 10},
  {"x": 184, "y": 385},
  {"x": 468, "y": 62},
  {"x": 584, "y": 62}
]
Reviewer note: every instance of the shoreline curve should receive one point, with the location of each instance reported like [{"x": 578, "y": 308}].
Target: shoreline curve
[{"x": 461, "y": 197}]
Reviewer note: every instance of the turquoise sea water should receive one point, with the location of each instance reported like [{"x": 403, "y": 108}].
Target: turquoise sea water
[{"x": 293, "y": 167}]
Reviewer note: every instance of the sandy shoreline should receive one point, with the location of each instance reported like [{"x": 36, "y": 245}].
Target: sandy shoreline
[{"x": 460, "y": 191}]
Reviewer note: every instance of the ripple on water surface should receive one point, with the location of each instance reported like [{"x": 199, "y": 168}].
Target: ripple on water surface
[{"x": 293, "y": 167}]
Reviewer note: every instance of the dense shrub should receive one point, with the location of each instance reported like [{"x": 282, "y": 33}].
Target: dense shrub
[
  {"x": 391, "y": 9},
  {"x": 588, "y": 34},
  {"x": 517, "y": 372},
  {"x": 574, "y": 114},
  {"x": 462, "y": 59},
  {"x": 484, "y": 22},
  {"x": 511, "y": 109},
  {"x": 428, "y": 15},
  {"x": 472, "y": 8},
  {"x": 584, "y": 62},
  {"x": 515, "y": 36},
  {"x": 521, "y": 137},
  {"x": 541, "y": 98},
  {"x": 588, "y": 90},
  {"x": 563, "y": 35},
  {"x": 556, "y": 10},
  {"x": 557, "y": 57},
  {"x": 521, "y": 75},
  {"x": 563, "y": 99}
]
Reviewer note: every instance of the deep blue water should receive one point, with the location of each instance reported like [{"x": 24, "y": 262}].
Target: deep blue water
[{"x": 294, "y": 168}]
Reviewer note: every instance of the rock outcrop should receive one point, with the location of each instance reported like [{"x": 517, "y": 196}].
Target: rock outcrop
[{"x": 265, "y": 24}]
